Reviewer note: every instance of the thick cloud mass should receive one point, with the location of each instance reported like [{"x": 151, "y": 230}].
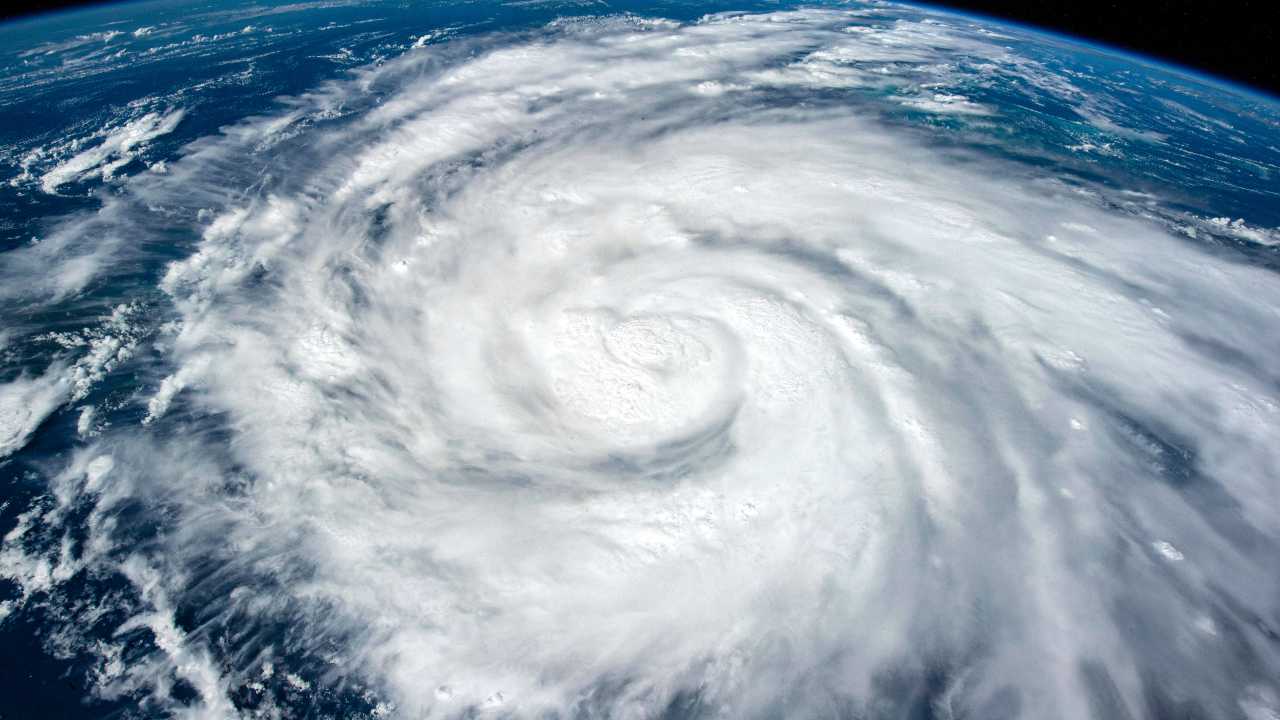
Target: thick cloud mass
[{"x": 624, "y": 369}]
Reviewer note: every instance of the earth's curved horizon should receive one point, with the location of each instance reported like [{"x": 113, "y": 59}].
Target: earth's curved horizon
[{"x": 649, "y": 360}]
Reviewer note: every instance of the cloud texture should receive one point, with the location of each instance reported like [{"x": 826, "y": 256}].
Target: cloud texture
[{"x": 626, "y": 369}]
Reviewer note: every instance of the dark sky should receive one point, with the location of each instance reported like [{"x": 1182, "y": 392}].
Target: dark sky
[{"x": 1234, "y": 39}]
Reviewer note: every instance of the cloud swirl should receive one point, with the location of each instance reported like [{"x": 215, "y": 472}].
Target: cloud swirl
[{"x": 625, "y": 369}]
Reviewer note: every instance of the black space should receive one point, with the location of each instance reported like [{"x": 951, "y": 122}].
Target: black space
[{"x": 1235, "y": 40}]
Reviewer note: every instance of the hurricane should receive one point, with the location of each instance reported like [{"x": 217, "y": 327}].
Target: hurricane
[{"x": 624, "y": 367}]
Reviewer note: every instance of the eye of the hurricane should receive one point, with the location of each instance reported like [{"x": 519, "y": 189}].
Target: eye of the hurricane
[
  {"x": 594, "y": 372},
  {"x": 639, "y": 380}
]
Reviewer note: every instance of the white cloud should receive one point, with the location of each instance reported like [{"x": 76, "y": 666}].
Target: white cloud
[
  {"x": 118, "y": 146},
  {"x": 584, "y": 373},
  {"x": 25, "y": 402}
]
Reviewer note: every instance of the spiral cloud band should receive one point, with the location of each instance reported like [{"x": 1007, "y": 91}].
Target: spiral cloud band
[{"x": 626, "y": 369}]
